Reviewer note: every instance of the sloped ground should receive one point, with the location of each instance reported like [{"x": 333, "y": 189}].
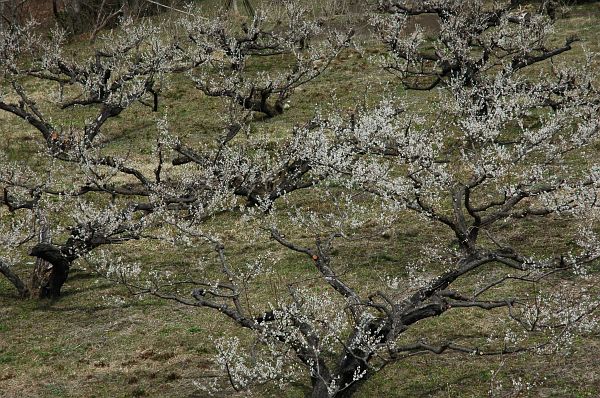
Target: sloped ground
[{"x": 99, "y": 341}]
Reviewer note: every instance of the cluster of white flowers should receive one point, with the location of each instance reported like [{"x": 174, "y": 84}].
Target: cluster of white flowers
[{"x": 113, "y": 267}]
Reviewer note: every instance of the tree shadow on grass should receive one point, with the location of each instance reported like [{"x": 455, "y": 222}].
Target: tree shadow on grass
[{"x": 456, "y": 382}]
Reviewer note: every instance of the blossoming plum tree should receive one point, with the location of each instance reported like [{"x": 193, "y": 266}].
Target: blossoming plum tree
[
  {"x": 499, "y": 148},
  {"x": 108, "y": 82},
  {"x": 503, "y": 150},
  {"x": 222, "y": 56},
  {"x": 478, "y": 177},
  {"x": 129, "y": 67}
]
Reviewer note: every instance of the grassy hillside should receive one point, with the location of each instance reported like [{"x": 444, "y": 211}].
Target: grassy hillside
[{"x": 99, "y": 340}]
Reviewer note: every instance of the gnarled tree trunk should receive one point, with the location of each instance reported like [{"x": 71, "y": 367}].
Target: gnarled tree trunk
[
  {"x": 51, "y": 271},
  {"x": 51, "y": 268}
]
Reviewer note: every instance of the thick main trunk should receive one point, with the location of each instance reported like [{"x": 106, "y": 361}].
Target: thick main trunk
[
  {"x": 320, "y": 377},
  {"x": 47, "y": 279},
  {"x": 51, "y": 270},
  {"x": 319, "y": 388},
  {"x": 353, "y": 367},
  {"x": 262, "y": 106},
  {"x": 51, "y": 266},
  {"x": 347, "y": 379},
  {"x": 349, "y": 367}
]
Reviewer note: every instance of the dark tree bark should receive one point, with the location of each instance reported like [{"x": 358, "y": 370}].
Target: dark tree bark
[
  {"x": 319, "y": 389},
  {"x": 51, "y": 271},
  {"x": 319, "y": 380}
]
